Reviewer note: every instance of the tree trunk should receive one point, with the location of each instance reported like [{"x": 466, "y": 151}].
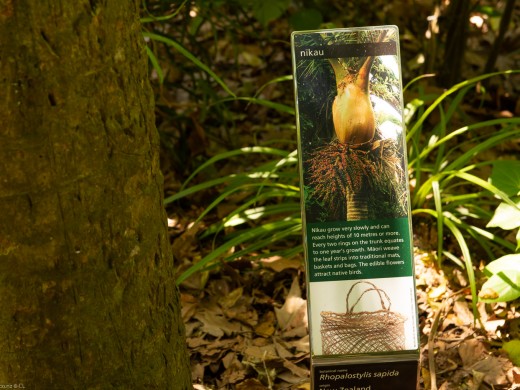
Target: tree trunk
[
  {"x": 357, "y": 205},
  {"x": 456, "y": 31},
  {"x": 505, "y": 20},
  {"x": 87, "y": 291}
]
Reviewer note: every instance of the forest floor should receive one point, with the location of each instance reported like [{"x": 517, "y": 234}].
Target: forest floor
[
  {"x": 247, "y": 329},
  {"x": 246, "y": 323}
]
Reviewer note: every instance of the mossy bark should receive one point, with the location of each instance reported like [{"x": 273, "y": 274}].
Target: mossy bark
[{"x": 87, "y": 292}]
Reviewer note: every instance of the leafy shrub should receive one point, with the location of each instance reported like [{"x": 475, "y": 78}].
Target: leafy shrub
[{"x": 446, "y": 186}]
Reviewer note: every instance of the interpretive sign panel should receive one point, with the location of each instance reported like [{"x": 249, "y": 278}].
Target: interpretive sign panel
[
  {"x": 355, "y": 199},
  {"x": 400, "y": 375}
]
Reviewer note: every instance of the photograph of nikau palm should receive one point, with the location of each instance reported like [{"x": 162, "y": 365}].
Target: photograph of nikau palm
[{"x": 354, "y": 167}]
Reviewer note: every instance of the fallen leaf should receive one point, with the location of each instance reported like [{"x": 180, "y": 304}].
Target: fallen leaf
[
  {"x": 189, "y": 305},
  {"x": 235, "y": 370},
  {"x": 426, "y": 378},
  {"x": 300, "y": 331},
  {"x": 278, "y": 263},
  {"x": 463, "y": 313},
  {"x": 471, "y": 351},
  {"x": 282, "y": 352},
  {"x": 217, "y": 325},
  {"x": 301, "y": 345},
  {"x": 296, "y": 381},
  {"x": 260, "y": 342},
  {"x": 213, "y": 350},
  {"x": 437, "y": 292},
  {"x": 200, "y": 387},
  {"x": 196, "y": 342},
  {"x": 250, "y": 59},
  {"x": 267, "y": 326},
  {"x": 293, "y": 313},
  {"x": 513, "y": 375},
  {"x": 492, "y": 325},
  {"x": 249, "y": 317},
  {"x": 444, "y": 386},
  {"x": 254, "y": 354},
  {"x": 296, "y": 370},
  {"x": 197, "y": 372},
  {"x": 251, "y": 384},
  {"x": 191, "y": 327},
  {"x": 492, "y": 369},
  {"x": 229, "y": 300},
  {"x": 260, "y": 297},
  {"x": 478, "y": 378},
  {"x": 183, "y": 246},
  {"x": 229, "y": 358},
  {"x": 302, "y": 386}
]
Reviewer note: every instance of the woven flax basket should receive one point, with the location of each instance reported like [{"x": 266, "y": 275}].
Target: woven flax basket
[{"x": 363, "y": 331}]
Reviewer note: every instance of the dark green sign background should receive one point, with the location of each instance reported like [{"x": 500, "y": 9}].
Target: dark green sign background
[{"x": 351, "y": 250}]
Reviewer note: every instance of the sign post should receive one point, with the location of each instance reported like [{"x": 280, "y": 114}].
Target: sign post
[{"x": 355, "y": 205}]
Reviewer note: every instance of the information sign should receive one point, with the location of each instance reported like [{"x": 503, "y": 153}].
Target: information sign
[{"x": 355, "y": 208}]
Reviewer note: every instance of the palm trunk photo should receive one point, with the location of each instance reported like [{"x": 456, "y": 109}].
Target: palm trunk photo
[{"x": 359, "y": 160}]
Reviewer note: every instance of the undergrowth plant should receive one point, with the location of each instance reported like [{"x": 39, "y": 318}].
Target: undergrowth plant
[
  {"x": 184, "y": 48},
  {"x": 504, "y": 273},
  {"x": 269, "y": 210},
  {"x": 444, "y": 165},
  {"x": 445, "y": 170}
]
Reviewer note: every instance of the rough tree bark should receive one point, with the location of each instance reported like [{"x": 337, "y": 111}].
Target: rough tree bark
[
  {"x": 456, "y": 31},
  {"x": 87, "y": 292}
]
